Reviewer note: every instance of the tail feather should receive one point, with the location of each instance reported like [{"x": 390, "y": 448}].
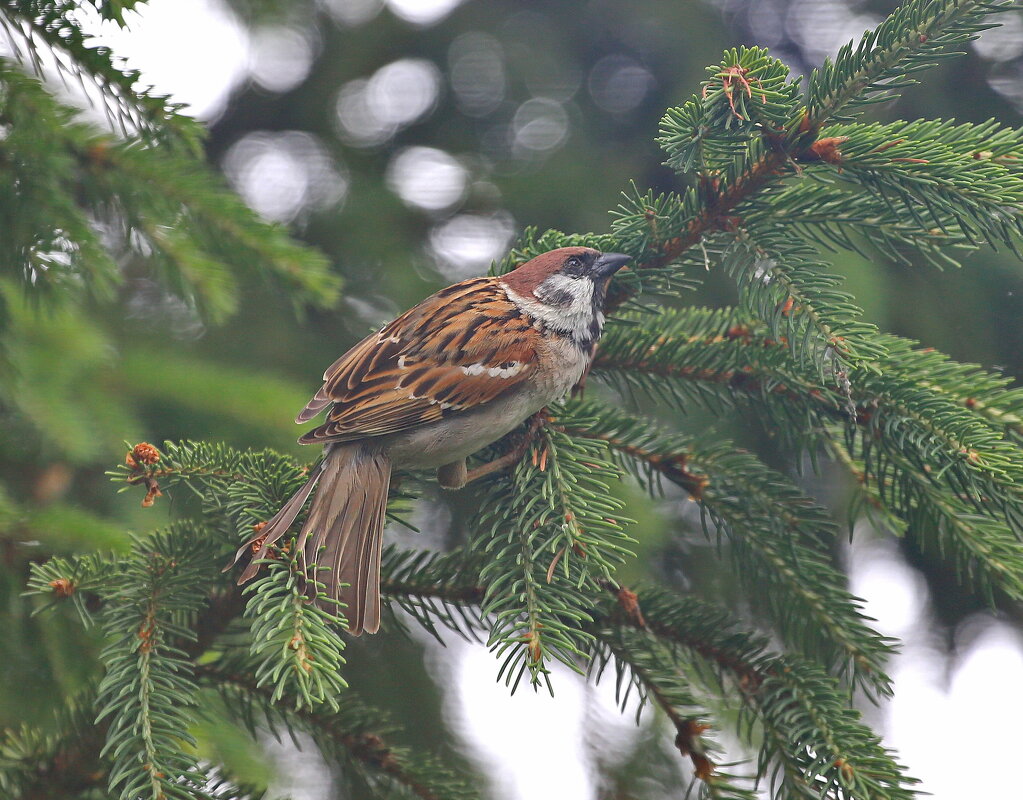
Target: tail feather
[
  {"x": 357, "y": 563},
  {"x": 343, "y": 531},
  {"x": 275, "y": 528}
]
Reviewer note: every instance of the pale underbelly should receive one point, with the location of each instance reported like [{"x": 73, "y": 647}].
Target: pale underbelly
[{"x": 461, "y": 435}]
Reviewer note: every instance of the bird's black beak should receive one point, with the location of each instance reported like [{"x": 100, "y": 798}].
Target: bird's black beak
[{"x": 607, "y": 264}]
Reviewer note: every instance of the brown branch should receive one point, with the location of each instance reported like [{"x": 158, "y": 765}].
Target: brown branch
[
  {"x": 717, "y": 215},
  {"x": 672, "y": 466},
  {"x": 470, "y": 594},
  {"x": 745, "y": 380},
  {"x": 73, "y": 767},
  {"x": 750, "y": 677},
  {"x": 369, "y": 748},
  {"x": 688, "y": 730}
]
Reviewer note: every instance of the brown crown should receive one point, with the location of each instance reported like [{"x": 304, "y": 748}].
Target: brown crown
[{"x": 526, "y": 277}]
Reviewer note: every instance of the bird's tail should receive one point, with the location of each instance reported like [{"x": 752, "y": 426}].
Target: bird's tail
[{"x": 343, "y": 534}]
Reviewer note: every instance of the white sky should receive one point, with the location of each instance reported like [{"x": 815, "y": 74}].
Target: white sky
[{"x": 954, "y": 719}]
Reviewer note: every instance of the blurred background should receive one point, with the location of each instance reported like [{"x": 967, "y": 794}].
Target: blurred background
[{"x": 412, "y": 141}]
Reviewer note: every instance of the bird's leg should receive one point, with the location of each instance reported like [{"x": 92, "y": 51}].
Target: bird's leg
[
  {"x": 513, "y": 456},
  {"x": 453, "y": 475}
]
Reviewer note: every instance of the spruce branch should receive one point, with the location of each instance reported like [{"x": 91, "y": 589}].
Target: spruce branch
[
  {"x": 651, "y": 668},
  {"x": 545, "y": 537},
  {"x": 714, "y": 357},
  {"x": 916, "y": 36},
  {"x": 50, "y": 242},
  {"x": 433, "y": 587},
  {"x": 295, "y": 644},
  {"x": 911, "y": 39},
  {"x": 35, "y": 764},
  {"x": 806, "y": 725},
  {"x": 747, "y": 94},
  {"x": 984, "y": 548},
  {"x": 131, "y": 110},
  {"x": 683, "y": 221},
  {"x": 79, "y": 579},
  {"x": 354, "y": 732},
  {"x": 837, "y": 216},
  {"x": 962, "y": 180},
  {"x": 924, "y": 452},
  {"x": 147, "y": 693},
  {"x": 719, "y": 357},
  {"x": 786, "y": 286},
  {"x": 776, "y": 533},
  {"x": 198, "y": 236}
]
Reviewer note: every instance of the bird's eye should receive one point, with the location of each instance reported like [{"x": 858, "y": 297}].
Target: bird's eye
[{"x": 574, "y": 261}]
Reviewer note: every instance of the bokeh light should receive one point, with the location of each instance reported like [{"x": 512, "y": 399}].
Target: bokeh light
[
  {"x": 618, "y": 84},
  {"x": 422, "y": 12},
  {"x": 370, "y": 111},
  {"x": 540, "y": 124},
  {"x": 1003, "y": 43},
  {"x": 466, "y": 244},
  {"x": 283, "y": 174},
  {"x": 940, "y": 698},
  {"x": 1008, "y": 82},
  {"x": 895, "y": 594},
  {"x": 508, "y": 736},
  {"x": 280, "y": 57},
  {"x": 427, "y": 178},
  {"x": 821, "y": 27},
  {"x": 217, "y": 50},
  {"x": 351, "y": 13},
  {"x": 477, "y": 73}
]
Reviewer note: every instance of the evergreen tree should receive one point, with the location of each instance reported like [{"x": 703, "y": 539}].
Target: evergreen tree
[{"x": 774, "y": 176}]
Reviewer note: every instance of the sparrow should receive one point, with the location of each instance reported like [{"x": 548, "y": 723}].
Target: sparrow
[{"x": 448, "y": 377}]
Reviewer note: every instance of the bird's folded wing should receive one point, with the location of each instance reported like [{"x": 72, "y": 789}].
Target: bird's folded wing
[{"x": 463, "y": 347}]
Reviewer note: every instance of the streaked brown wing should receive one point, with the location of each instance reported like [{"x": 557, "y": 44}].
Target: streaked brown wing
[{"x": 460, "y": 348}]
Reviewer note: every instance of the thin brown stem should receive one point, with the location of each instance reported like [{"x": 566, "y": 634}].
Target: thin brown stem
[
  {"x": 369, "y": 748},
  {"x": 513, "y": 456},
  {"x": 718, "y": 215}
]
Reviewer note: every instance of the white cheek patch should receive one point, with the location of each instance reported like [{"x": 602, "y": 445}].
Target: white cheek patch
[
  {"x": 510, "y": 371},
  {"x": 575, "y": 317}
]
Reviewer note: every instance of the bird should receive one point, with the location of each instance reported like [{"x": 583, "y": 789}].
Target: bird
[{"x": 448, "y": 377}]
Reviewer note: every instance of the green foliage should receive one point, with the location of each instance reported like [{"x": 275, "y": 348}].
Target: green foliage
[
  {"x": 34, "y": 25},
  {"x": 963, "y": 180},
  {"x": 815, "y": 745},
  {"x": 147, "y": 696},
  {"x": 33, "y": 760},
  {"x": 351, "y": 734},
  {"x": 746, "y": 95},
  {"x": 138, "y": 202},
  {"x": 834, "y": 214},
  {"x": 786, "y": 287},
  {"x": 648, "y": 664},
  {"x": 915, "y": 37},
  {"x": 545, "y": 538},
  {"x": 294, "y": 642},
  {"x": 931, "y": 447},
  {"x": 775, "y": 533},
  {"x": 955, "y": 417}
]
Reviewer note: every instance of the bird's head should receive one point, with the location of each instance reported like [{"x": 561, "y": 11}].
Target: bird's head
[{"x": 565, "y": 289}]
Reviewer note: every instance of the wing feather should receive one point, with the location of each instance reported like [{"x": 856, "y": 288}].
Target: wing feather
[{"x": 463, "y": 347}]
